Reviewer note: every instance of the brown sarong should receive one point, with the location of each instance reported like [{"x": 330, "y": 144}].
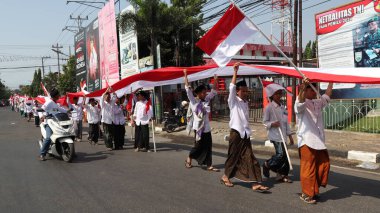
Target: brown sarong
[
  {"x": 241, "y": 163},
  {"x": 314, "y": 171}
]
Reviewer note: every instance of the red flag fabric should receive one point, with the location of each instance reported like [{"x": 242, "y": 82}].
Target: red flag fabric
[
  {"x": 147, "y": 105},
  {"x": 130, "y": 103}
]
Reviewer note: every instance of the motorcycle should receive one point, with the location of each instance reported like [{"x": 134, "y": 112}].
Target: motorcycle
[
  {"x": 171, "y": 122},
  {"x": 62, "y": 139}
]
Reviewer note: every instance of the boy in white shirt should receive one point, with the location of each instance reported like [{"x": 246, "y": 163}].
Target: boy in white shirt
[
  {"x": 76, "y": 116},
  {"x": 275, "y": 117},
  {"x": 106, "y": 105},
  {"x": 314, "y": 158},
  {"x": 241, "y": 163},
  {"x": 118, "y": 121},
  {"x": 93, "y": 118},
  {"x": 142, "y": 114}
]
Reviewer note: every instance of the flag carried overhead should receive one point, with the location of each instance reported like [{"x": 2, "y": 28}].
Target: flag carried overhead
[{"x": 227, "y": 36}]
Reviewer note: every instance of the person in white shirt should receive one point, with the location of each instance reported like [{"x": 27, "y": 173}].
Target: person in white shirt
[
  {"x": 275, "y": 117},
  {"x": 106, "y": 104},
  {"x": 35, "y": 114},
  {"x": 93, "y": 118},
  {"x": 142, "y": 114},
  {"x": 314, "y": 158},
  {"x": 241, "y": 163},
  {"x": 76, "y": 116},
  {"x": 51, "y": 108},
  {"x": 29, "y": 110},
  {"x": 118, "y": 121},
  {"x": 202, "y": 149},
  {"x": 21, "y": 108}
]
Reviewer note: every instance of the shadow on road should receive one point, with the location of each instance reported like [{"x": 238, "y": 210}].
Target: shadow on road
[
  {"x": 343, "y": 185},
  {"x": 86, "y": 158}
]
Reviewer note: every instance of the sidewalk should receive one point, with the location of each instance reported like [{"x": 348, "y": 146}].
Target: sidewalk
[{"x": 339, "y": 143}]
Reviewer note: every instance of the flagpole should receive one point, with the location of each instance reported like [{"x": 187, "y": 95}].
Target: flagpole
[
  {"x": 278, "y": 49},
  {"x": 279, "y": 129}
]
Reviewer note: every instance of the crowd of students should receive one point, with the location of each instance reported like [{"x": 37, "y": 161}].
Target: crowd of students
[{"x": 241, "y": 163}]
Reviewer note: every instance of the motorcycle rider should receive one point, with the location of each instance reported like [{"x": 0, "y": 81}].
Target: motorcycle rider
[{"x": 51, "y": 108}]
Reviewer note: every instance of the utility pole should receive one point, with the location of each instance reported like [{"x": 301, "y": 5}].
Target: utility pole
[
  {"x": 295, "y": 22},
  {"x": 57, "y": 50},
  {"x": 79, "y": 21},
  {"x": 300, "y": 52},
  {"x": 43, "y": 67}
]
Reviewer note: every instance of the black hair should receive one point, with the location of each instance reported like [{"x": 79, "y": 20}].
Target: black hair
[
  {"x": 309, "y": 85},
  {"x": 200, "y": 88},
  {"x": 91, "y": 100},
  {"x": 54, "y": 93},
  {"x": 240, "y": 84}
]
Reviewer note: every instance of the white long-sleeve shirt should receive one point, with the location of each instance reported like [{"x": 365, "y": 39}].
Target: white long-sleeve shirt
[
  {"x": 52, "y": 108},
  {"x": 140, "y": 117},
  {"x": 193, "y": 105},
  {"x": 77, "y": 113},
  {"x": 310, "y": 122},
  {"x": 118, "y": 114},
  {"x": 93, "y": 114},
  {"x": 273, "y": 113},
  {"x": 106, "y": 109},
  {"x": 238, "y": 113}
]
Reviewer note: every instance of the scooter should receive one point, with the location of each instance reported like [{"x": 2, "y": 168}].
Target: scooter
[
  {"x": 62, "y": 139},
  {"x": 171, "y": 122}
]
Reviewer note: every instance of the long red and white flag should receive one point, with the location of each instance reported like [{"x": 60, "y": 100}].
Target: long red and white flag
[{"x": 227, "y": 36}]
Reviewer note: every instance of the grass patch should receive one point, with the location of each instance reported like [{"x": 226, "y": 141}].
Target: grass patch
[{"x": 365, "y": 124}]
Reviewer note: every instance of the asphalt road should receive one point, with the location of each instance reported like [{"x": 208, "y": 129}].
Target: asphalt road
[{"x": 126, "y": 181}]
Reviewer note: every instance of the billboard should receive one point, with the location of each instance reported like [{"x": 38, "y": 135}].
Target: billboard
[
  {"x": 92, "y": 43},
  {"x": 349, "y": 36},
  {"x": 146, "y": 64},
  {"x": 128, "y": 49},
  {"x": 80, "y": 57},
  {"x": 109, "y": 58}
]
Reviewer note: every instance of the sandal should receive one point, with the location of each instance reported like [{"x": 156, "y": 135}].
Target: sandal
[
  {"x": 307, "y": 199},
  {"x": 260, "y": 189},
  {"x": 188, "y": 164},
  {"x": 226, "y": 183},
  {"x": 213, "y": 169},
  {"x": 285, "y": 179}
]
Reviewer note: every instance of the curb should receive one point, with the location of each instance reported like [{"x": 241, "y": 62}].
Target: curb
[{"x": 364, "y": 156}]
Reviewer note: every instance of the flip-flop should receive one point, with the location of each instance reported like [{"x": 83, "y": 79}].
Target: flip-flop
[
  {"x": 261, "y": 189},
  {"x": 226, "y": 183},
  {"x": 213, "y": 169}
]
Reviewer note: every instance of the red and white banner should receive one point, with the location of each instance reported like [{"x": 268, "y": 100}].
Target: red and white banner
[
  {"x": 227, "y": 36},
  {"x": 174, "y": 75}
]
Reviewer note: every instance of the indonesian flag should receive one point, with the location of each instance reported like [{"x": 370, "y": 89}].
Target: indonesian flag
[
  {"x": 45, "y": 90},
  {"x": 227, "y": 36}
]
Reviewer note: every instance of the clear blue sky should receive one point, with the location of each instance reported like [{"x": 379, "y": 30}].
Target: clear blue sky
[{"x": 30, "y": 27}]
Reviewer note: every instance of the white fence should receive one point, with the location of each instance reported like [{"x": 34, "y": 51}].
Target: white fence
[{"x": 353, "y": 115}]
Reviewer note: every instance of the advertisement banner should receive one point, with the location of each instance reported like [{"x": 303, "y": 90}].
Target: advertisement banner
[
  {"x": 80, "y": 57},
  {"x": 128, "y": 49},
  {"x": 92, "y": 44},
  {"x": 349, "y": 36},
  {"x": 146, "y": 64},
  {"x": 109, "y": 62}
]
